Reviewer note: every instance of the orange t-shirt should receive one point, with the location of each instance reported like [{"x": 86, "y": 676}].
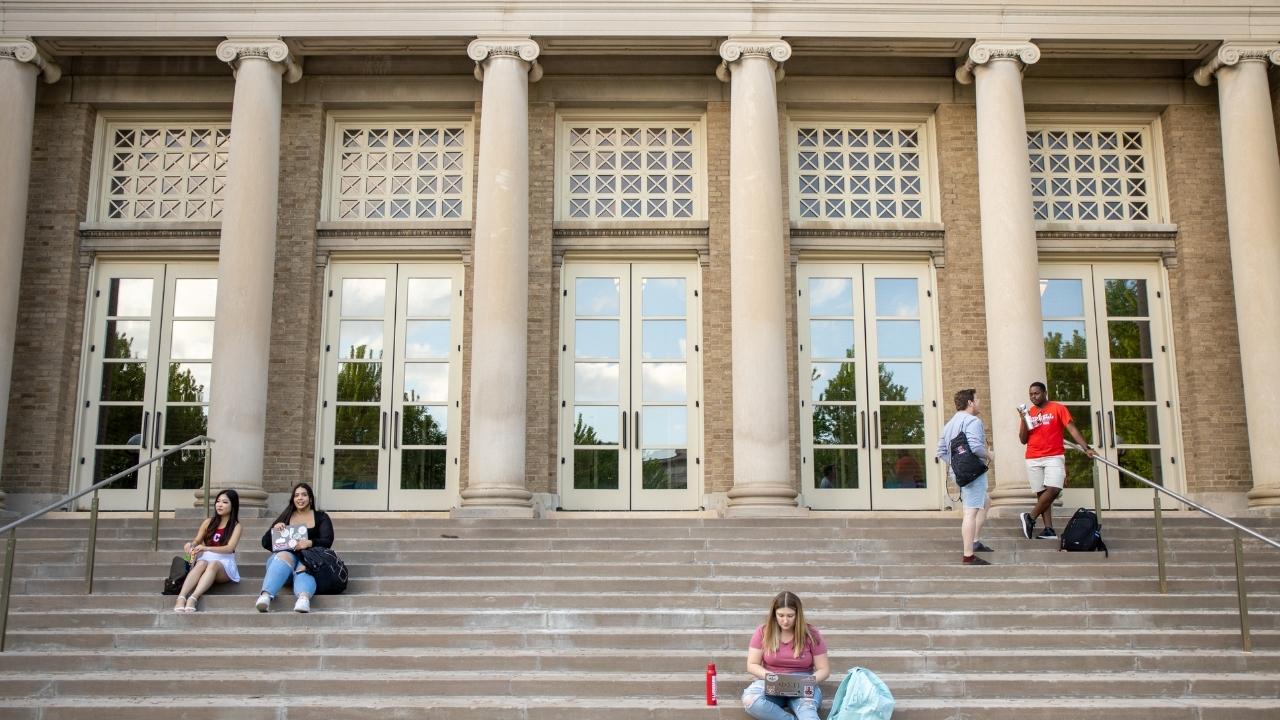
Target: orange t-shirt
[{"x": 1044, "y": 439}]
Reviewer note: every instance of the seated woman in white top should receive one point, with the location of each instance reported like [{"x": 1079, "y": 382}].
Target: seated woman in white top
[{"x": 213, "y": 550}]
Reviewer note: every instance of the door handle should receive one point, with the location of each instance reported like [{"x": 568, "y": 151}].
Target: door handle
[
  {"x": 382, "y": 431},
  {"x": 395, "y": 431},
  {"x": 1099, "y": 431},
  {"x": 146, "y": 427},
  {"x": 876, "y": 422},
  {"x": 155, "y": 442},
  {"x": 637, "y": 429},
  {"x": 1111, "y": 420},
  {"x": 624, "y": 429},
  {"x": 862, "y": 436}
]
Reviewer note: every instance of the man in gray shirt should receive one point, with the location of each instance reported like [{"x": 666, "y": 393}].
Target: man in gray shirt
[{"x": 974, "y": 495}]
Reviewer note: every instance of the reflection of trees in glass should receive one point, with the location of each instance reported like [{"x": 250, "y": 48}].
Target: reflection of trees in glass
[
  {"x": 902, "y": 425},
  {"x": 357, "y": 381},
  {"x": 665, "y": 473},
  {"x": 1058, "y": 347},
  {"x": 122, "y": 381},
  {"x": 584, "y": 433},
  {"x": 1128, "y": 298},
  {"x": 836, "y": 424},
  {"x": 595, "y": 469},
  {"x": 184, "y": 386},
  {"x": 421, "y": 427}
]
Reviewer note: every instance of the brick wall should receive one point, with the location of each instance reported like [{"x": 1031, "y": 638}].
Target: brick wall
[
  {"x": 1210, "y": 390},
  {"x": 542, "y": 390},
  {"x": 296, "y": 305},
  {"x": 717, "y": 361},
  {"x": 46, "y": 356}
]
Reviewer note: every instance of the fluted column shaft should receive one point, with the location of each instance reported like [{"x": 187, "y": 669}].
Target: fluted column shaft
[
  {"x": 500, "y": 284},
  {"x": 1010, "y": 263},
  {"x": 20, "y": 63},
  {"x": 246, "y": 269},
  {"x": 1251, "y": 168},
  {"x": 762, "y": 481}
]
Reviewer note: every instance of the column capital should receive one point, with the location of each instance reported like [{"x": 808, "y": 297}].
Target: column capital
[
  {"x": 772, "y": 48},
  {"x": 1230, "y": 54},
  {"x": 24, "y": 50},
  {"x": 520, "y": 47},
  {"x": 984, "y": 51},
  {"x": 235, "y": 49}
]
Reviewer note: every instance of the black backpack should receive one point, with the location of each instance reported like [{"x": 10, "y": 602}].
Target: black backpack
[
  {"x": 1083, "y": 533},
  {"x": 327, "y": 568},
  {"x": 966, "y": 466},
  {"x": 178, "y": 569}
]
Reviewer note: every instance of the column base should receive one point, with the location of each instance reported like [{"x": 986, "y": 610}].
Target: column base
[
  {"x": 1265, "y": 498},
  {"x": 492, "y": 511},
  {"x": 495, "y": 501},
  {"x": 763, "y": 500},
  {"x": 1008, "y": 502}
]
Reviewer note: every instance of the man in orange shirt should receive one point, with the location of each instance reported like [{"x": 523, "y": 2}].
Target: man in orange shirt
[{"x": 1040, "y": 429}]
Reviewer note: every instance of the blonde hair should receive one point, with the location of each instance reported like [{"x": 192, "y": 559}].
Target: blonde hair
[{"x": 773, "y": 631}]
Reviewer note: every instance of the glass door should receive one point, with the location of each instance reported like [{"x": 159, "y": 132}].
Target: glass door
[
  {"x": 867, "y": 386},
  {"x": 391, "y": 390},
  {"x": 148, "y": 361},
  {"x": 1107, "y": 358},
  {"x": 630, "y": 427}
]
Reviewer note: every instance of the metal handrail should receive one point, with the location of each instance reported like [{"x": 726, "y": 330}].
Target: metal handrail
[
  {"x": 12, "y": 528},
  {"x": 1242, "y": 596}
]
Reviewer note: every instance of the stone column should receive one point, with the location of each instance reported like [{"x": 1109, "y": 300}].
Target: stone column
[
  {"x": 500, "y": 282},
  {"x": 246, "y": 267},
  {"x": 1252, "y": 172},
  {"x": 1010, "y": 264},
  {"x": 762, "y": 481},
  {"x": 20, "y": 63}
]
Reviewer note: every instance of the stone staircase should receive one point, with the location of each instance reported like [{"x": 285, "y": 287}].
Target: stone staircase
[{"x": 590, "y": 617}]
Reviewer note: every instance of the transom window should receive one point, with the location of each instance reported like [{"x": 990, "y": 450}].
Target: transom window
[
  {"x": 631, "y": 171},
  {"x": 163, "y": 171},
  {"x": 392, "y": 171},
  {"x": 1089, "y": 174},
  {"x": 849, "y": 171}
]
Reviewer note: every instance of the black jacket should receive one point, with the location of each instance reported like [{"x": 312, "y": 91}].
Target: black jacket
[{"x": 320, "y": 536}]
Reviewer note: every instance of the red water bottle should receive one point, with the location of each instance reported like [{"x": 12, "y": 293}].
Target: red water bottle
[{"x": 711, "y": 683}]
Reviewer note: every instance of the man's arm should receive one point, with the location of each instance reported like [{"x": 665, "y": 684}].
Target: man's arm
[
  {"x": 1075, "y": 435},
  {"x": 1023, "y": 433}
]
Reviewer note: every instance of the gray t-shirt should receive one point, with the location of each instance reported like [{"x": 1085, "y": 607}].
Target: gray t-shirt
[{"x": 971, "y": 425}]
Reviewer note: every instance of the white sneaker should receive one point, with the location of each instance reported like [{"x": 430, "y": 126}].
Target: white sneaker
[
  {"x": 303, "y": 605},
  {"x": 264, "y": 602}
]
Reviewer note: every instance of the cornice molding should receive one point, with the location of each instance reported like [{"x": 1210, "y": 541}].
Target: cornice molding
[
  {"x": 152, "y": 234},
  {"x": 984, "y": 51},
  {"x": 607, "y": 232},
  {"x": 734, "y": 49},
  {"x": 23, "y": 50},
  {"x": 484, "y": 48},
  {"x": 1230, "y": 54},
  {"x": 357, "y": 233},
  {"x": 233, "y": 51}
]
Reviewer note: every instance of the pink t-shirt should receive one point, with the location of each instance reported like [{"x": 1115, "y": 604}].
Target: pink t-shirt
[{"x": 785, "y": 661}]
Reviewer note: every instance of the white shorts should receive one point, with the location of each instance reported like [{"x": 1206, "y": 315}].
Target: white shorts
[
  {"x": 227, "y": 560},
  {"x": 1047, "y": 472}
]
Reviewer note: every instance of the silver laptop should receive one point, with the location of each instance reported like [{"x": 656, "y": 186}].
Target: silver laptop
[{"x": 789, "y": 684}]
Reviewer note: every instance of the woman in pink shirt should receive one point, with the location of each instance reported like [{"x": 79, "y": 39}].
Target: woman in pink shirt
[{"x": 785, "y": 643}]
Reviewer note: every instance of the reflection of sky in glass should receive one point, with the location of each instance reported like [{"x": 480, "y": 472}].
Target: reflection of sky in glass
[
  {"x": 595, "y": 296},
  {"x": 602, "y": 420},
  {"x": 426, "y": 382},
  {"x": 192, "y": 340},
  {"x": 823, "y": 375},
  {"x": 663, "y": 339},
  {"x": 898, "y": 338},
  {"x": 595, "y": 382},
  {"x": 194, "y": 297},
  {"x": 908, "y": 375},
  {"x": 363, "y": 296},
  {"x": 662, "y": 297},
  {"x": 830, "y": 296},
  {"x": 429, "y": 297},
  {"x": 1061, "y": 298},
  {"x": 595, "y": 339},
  {"x": 356, "y": 334},
  {"x": 1072, "y": 333},
  {"x": 129, "y": 297},
  {"x": 830, "y": 338},
  {"x": 664, "y": 426},
  {"x": 127, "y": 338},
  {"x": 199, "y": 374},
  {"x": 426, "y": 338},
  {"x": 897, "y": 297},
  {"x": 662, "y": 382}
]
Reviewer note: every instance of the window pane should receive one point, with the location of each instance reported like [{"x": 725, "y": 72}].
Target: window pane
[
  {"x": 355, "y": 469},
  {"x": 1129, "y": 338},
  {"x": 422, "y": 469},
  {"x": 360, "y": 340},
  {"x": 194, "y": 297},
  {"x": 1063, "y": 339},
  {"x": 662, "y": 297},
  {"x": 596, "y": 339},
  {"x": 902, "y": 469},
  {"x": 1145, "y": 463},
  {"x": 1061, "y": 298},
  {"x": 123, "y": 381},
  {"x": 1068, "y": 382},
  {"x": 109, "y": 462},
  {"x": 189, "y": 382},
  {"x": 831, "y": 338},
  {"x": 897, "y": 297},
  {"x": 595, "y": 469},
  {"x": 898, "y": 338},
  {"x": 1127, "y": 298},
  {"x": 183, "y": 470},
  {"x": 835, "y": 469},
  {"x": 127, "y": 339},
  {"x": 425, "y": 425},
  {"x": 1133, "y": 382},
  {"x": 129, "y": 297},
  {"x": 664, "y": 427},
  {"x": 356, "y": 425},
  {"x": 901, "y": 381},
  {"x": 429, "y": 297},
  {"x": 595, "y": 382},
  {"x": 835, "y": 425},
  {"x": 663, "y": 339},
  {"x": 833, "y": 381},
  {"x": 901, "y": 425},
  {"x": 596, "y": 425},
  {"x": 1137, "y": 425},
  {"x": 663, "y": 382},
  {"x": 426, "y": 382},
  {"x": 119, "y": 425},
  {"x": 664, "y": 469},
  {"x": 363, "y": 297},
  {"x": 595, "y": 297},
  {"x": 830, "y": 296},
  {"x": 181, "y": 423},
  {"x": 192, "y": 340},
  {"x": 426, "y": 339}
]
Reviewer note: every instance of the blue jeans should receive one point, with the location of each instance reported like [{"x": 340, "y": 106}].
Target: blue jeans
[
  {"x": 280, "y": 572},
  {"x": 774, "y": 707}
]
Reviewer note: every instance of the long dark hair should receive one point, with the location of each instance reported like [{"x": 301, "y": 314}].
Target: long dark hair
[
  {"x": 289, "y": 508},
  {"x": 233, "y": 517}
]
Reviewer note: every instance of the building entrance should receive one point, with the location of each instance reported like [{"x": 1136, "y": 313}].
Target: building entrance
[{"x": 630, "y": 422}]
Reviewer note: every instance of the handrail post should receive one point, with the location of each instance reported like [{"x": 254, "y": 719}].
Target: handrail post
[
  {"x": 157, "y": 478},
  {"x": 1242, "y": 595},
  {"x": 8, "y": 585},
  {"x": 1164, "y": 579},
  {"x": 208, "y": 451},
  {"x": 92, "y": 548}
]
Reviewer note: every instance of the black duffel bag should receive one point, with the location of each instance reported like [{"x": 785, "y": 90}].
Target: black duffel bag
[{"x": 327, "y": 568}]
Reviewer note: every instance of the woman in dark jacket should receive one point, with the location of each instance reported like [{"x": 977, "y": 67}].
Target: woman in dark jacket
[{"x": 286, "y": 566}]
